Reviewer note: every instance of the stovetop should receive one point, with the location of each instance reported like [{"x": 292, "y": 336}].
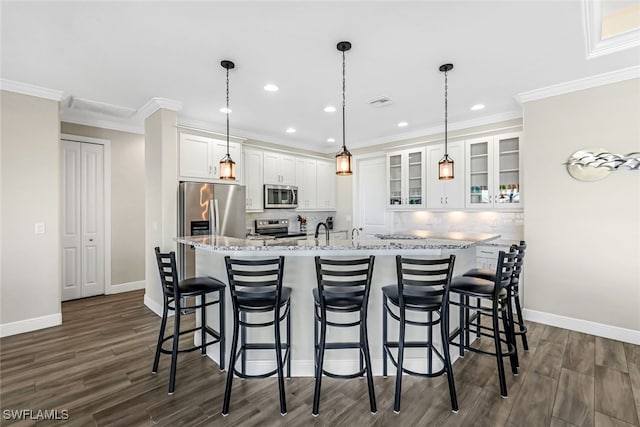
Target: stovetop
[{"x": 276, "y": 228}]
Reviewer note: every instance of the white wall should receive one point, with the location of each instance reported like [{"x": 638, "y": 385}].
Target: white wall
[
  {"x": 30, "y": 274},
  {"x": 583, "y": 259}
]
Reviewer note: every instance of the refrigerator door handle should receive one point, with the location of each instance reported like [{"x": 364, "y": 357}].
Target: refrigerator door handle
[{"x": 215, "y": 216}]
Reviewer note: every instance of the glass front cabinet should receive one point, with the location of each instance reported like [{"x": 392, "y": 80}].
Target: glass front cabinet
[
  {"x": 493, "y": 172},
  {"x": 405, "y": 179}
]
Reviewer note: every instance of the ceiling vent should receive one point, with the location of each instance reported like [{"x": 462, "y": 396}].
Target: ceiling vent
[{"x": 381, "y": 101}]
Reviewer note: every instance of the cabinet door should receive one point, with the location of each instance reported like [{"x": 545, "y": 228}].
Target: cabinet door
[
  {"x": 287, "y": 169},
  {"x": 479, "y": 173},
  {"x": 271, "y": 173},
  {"x": 253, "y": 179},
  {"x": 306, "y": 182},
  {"x": 435, "y": 187},
  {"x": 326, "y": 185},
  {"x": 415, "y": 178},
  {"x": 394, "y": 179},
  {"x": 454, "y": 188},
  {"x": 195, "y": 155},
  {"x": 507, "y": 171}
]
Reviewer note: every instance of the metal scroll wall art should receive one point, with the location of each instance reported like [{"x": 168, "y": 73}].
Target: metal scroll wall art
[{"x": 593, "y": 164}]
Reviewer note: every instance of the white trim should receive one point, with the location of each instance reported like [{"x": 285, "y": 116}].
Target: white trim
[
  {"x": 598, "y": 329},
  {"x": 80, "y": 117},
  {"x": 107, "y": 199},
  {"x": 28, "y": 325},
  {"x": 580, "y": 84},
  {"x": 154, "y": 104},
  {"x": 154, "y": 306},
  {"x": 31, "y": 90},
  {"x": 124, "y": 287},
  {"x": 232, "y": 138},
  {"x": 592, "y": 24}
]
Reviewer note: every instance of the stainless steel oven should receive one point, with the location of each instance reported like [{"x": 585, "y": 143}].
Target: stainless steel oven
[{"x": 280, "y": 196}]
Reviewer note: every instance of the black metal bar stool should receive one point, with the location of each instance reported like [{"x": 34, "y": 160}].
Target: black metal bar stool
[
  {"x": 173, "y": 291},
  {"x": 256, "y": 287},
  {"x": 496, "y": 292},
  {"x": 343, "y": 287},
  {"x": 488, "y": 274},
  {"x": 423, "y": 287}
]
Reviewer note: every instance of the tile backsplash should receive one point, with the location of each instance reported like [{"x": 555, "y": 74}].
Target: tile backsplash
[
  {"x": 510, "y": 225},
  {"x": 313, "y": 218}
]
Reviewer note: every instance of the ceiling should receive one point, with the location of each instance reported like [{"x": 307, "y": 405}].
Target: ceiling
[{"x": 113, "y": 57}]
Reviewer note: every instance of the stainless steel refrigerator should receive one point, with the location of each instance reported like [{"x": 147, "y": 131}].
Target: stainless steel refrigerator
[{"x": 205, "y": 209}]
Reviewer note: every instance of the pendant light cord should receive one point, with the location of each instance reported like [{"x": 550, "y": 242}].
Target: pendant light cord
[
  {"x": 344, "y": 147},
  {"x": 446, "y": 114},
  {"x": 227, "y": 112}
]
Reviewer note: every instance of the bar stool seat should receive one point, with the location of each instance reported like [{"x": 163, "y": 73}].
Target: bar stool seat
[
  {"x": 263, "y": 300},
  {"x": 173, "y": 291},
  {"x": 474, "y": 286},
  {"x": 345, "y": 300},
  {"x": 415, "y": 299}
]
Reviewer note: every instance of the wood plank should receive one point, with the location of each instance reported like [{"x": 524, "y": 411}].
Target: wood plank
[
  {"x": 607, "y": 421},
  {"x": 548, "y": 359},
  {"x": 610, "y": 353},
  {"x": 556, "y": 422},
  {"x": 534, "y": 403},
  {"x": 632, "y": 353},
  {"x": 614, "y": 396},
  {"x": 634, "y": 376},
  {"x": 556, "y": 335},
  {"x": 579, "y": 356},
  {"x": 574, "y": 398}
]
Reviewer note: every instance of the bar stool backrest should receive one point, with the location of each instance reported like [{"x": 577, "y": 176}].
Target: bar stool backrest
[
  {"x": 344, "y": 279},
  {"x": 255, "y": 278},
  {"x": 519, "y": 261},
  {"x": 168, "y": 272},
  {"x": 504, "y": 271},
  {"x": 425, "y": 278}
]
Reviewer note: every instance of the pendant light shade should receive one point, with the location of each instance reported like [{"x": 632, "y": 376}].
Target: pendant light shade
[
  {"x": 227, "y": 165},
  {"x": 445, "y": 165},
  {"x": 343, "y": 158}
]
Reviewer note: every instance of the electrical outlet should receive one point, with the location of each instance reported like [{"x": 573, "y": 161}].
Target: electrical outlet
[{"x": 39, "y": 228}]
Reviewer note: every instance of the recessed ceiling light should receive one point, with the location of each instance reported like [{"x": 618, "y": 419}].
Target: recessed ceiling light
[
  {"x": 477, "y": 107},
  {"x": 402, "y": 124},
  {"x": 271, "y": 87},
  {"x": 291, "y": 130},
  {"x": 225, "y": 110},
  {"x": 329, "y": 109},
  {"x": 331, "y": 140}
]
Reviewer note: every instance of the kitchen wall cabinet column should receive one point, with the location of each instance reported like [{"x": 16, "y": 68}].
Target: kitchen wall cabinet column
[
  {"x": 445, "y": 194},
  {"x": 200, "y": 157},
  {"x": 405, "y": 178},
  {"x": 279, "y": 168},
  {"x": 307, "y": 183},
  {"x": 326, "y": 193},
  {"x": 253, "y": 179}
]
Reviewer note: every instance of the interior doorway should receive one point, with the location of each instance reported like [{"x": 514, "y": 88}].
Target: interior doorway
[
  {"x": 85, "y": 236},
  {"x": 369, "y": 202}
]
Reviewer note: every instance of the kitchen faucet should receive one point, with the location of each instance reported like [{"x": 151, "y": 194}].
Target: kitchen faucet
[
  {"x": 356, "y": 231},
  {"x": 326, "y": 231}
]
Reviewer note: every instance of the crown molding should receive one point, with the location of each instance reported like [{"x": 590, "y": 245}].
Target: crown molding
[
  {"x": 597, "y": 46},
  {"x": 154, "y": 104},
  {"x": 31, "y": 90},
  {"x": 580, "y": 84},
  {"x": 86, "y": 119}
]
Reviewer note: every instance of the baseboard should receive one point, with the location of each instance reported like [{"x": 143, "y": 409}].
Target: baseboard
[
  {"x": 125, "y": 287},
  {"x": 598, "y": 329},
  {"x": 154, "y": 306},
  {"x": 28, "y": 325}
]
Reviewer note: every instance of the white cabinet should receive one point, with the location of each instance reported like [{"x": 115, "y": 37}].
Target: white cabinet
[
  {"x": 306, "y": 180},
  {"x": 493, "y": 172},
  {"x": 326, "y": 185},
  {"x": 405, "y": 178},
  {"x": 316, "y": 181},
  {"x": 253, "y": 179},
  {"x": 445, "y": 194},
  {"x": 279, "y": 168},
  {"x": 200, "y": 157}
]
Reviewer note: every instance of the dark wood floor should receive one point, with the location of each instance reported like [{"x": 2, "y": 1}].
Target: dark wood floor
[{"x": 97, "y": 366}]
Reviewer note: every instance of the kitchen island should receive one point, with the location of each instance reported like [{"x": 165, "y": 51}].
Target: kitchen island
[{"x": 299, "y": 274}]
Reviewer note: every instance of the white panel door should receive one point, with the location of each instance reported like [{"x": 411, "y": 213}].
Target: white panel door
[
  {"x": 271, "y": 168},
  {"x": 71, "y": 223},
  {"x": 326, "y": 185},
  {"x": 287, "y": 170},
  {"x": 253, "y": 180},
  {"x": 83, "y": 269},
  {"x": 195, "y": 156},
  {"x": 370, "y": 196},
  {"x": 92, "y": 214}
]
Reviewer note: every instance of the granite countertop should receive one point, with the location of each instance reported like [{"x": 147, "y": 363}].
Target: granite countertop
[
  {"x": 440, "y": 235},
  {"x": 312, "y": 247}
]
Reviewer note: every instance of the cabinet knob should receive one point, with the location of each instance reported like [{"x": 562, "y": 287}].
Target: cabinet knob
[
  {"x": 441, "y": 201},
  {"x": 446, "y": 200}
]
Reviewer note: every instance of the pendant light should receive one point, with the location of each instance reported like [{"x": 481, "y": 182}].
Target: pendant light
[
  {"x": 343, "y": 158},
  {"x": 445, "y": 165},
  {"x": 227, "y": 165}
]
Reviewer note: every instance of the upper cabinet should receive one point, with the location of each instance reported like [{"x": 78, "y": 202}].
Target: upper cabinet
[
  {"x": 445, "y": 194},
  {"x": 326, "y": 187},
  {"x": 279, "y": 168},
  {"x": 200, "y": 157},
  {"x": 253, "y": 179},
  {"x": 494, "y": 176},
  {"x": 316, "y": 181},
  {"x": 405, "y": 178}
]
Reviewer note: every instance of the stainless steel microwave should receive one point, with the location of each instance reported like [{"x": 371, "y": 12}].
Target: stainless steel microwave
[{"x": 280, "y": 196}]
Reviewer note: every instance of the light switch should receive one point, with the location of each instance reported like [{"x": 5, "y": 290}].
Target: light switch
[{"x": 39, "y": 228}]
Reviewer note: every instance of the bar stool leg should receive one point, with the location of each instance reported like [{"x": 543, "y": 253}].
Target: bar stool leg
[
  {"x": 174, "y": 350},
  {"x": 430, "y": 339},
  {"x": 360, "y": 357},
  {"x": 444, "y": 331},
  {"x": 523, "y": 334},
  {"x": 385, "y": 341},
  {"x": 398, "y": 392},
  {"x": 232, "y": 364},
  {"x": 478, "y": 317},
  {"x": 507, "y": 320},
  {"x": 276, "y": 325},
  {"x": 461, "y": 328},
  {"x": 203, "y": 324},
  {"x": 288, "y": 341},
  {"x": 364, "y": 350},
  {"x": 323, "y": 340},
  {"x": 222, "y": 328},
  {"x": 467, "y": 325},
  {"x": 498, "y": 347},
  {"x": 163, "y": 326}
]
